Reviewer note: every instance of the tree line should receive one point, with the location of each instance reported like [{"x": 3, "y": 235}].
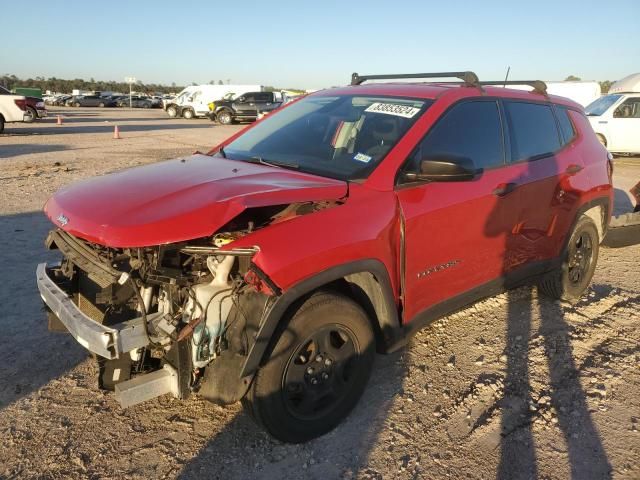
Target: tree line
[
  {"x": 605, "y": 85},
  {"x": 60, "y": 85}
]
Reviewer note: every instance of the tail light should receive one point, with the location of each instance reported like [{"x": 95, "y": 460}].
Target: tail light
[{"x": 22, "y": 104}]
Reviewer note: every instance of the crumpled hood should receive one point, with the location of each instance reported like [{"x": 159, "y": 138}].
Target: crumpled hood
[{"x": 178, "y": 200}]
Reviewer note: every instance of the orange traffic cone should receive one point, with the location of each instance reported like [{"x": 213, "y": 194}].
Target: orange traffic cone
[
  {"x": 116, "y": 133},
  {"x": 59, "y": 121}
]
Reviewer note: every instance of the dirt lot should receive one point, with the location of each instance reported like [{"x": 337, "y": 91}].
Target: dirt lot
[{"x": 514, "y": 387}]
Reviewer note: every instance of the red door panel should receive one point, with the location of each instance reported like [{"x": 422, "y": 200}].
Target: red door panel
[{"x": 455, "y": 236}]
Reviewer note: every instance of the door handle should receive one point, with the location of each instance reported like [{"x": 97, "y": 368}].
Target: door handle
[
  {"x": 504, "y": 189},
  {"x": 573, "y": 169}
]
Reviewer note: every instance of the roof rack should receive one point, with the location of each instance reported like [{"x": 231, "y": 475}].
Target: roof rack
[
  {"x": 470, "y": 79},
  {"x": 538, "y": 85}
]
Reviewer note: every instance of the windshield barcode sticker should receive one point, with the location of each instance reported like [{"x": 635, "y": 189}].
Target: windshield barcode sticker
[
  {"x": 393, "y": 109},
  {"x": 361, "y": 157}
]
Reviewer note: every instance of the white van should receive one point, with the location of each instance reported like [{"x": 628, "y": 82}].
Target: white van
[
  {"x": 582, "y": 92},
  {"x": 616, "y": 117},
  {"x": 194, "y": 101}
]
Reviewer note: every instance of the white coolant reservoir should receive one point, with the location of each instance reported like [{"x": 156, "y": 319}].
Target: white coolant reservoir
[{"x": 212, "y": 303}]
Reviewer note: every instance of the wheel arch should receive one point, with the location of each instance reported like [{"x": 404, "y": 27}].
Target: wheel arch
[
  {"x": 599, "y": 210},
  {"x": 364, "y": 281}
]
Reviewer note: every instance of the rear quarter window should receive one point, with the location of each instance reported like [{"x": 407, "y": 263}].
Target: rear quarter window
[
  {"x": 533, "y": 130},
  {"x": 566, "y": 126}
]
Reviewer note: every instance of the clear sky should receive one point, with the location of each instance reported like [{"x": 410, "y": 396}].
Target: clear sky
[{"x": 314, "y": 44}]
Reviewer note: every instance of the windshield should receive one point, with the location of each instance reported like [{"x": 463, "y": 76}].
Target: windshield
[
  {"x": 343, "y": 137},
  {"x": 601, "y": 105}
]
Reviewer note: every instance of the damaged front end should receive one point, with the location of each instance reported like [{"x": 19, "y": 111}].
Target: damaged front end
[{"x": 176, "y": 318}]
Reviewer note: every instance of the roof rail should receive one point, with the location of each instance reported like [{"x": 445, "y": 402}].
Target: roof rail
[
  {"x": 538, "y": 85},
  {"x": 470, "y": 79}
]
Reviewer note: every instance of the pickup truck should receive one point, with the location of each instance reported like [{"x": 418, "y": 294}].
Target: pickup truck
[
  {"x": 246, "y": 107},
  {"x": 12, "y": 108}
]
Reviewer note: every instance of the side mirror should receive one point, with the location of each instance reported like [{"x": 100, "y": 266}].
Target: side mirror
[
  {"x": 445, "y": 168},
  {"x": 241, "y": 99}
]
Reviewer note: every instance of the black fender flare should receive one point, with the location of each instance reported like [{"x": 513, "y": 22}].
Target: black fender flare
[
  {"x": 604, "y": 203},
  {"x": 385, "y": 308}
]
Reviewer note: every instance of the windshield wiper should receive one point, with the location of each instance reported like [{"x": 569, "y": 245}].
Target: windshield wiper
[
  {"x": 290, "y": 166},
  {"x": 221, "y": 152}
]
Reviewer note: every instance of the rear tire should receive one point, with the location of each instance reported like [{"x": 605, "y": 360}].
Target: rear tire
[
  {"x": 33, "y": 115},
  {"x": 317, "y": 369},
  {"x": 571, "y": 279},
  {"x": 76, "y": 104},
  {"x": 188, "y": 114},
  {"x": 101, "y": 105},
  {"x": 1, "y": 124}
]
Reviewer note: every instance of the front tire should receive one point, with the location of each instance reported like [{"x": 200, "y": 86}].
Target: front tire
[
  {"x": 1, "y": 124},
  {"x": 572, "y": 278},
  {"x": 172, "y": 112},
  {"x": 224, "y": 118},
  {"x": 316, "y": 371},
  {"x": 188, "y": 114}
]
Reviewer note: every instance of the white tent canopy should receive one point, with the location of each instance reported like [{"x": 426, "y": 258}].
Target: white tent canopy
[{"x": 630, "y": 83}]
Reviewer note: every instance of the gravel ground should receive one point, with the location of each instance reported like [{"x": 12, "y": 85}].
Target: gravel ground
[{"x": 516, "y": 386}]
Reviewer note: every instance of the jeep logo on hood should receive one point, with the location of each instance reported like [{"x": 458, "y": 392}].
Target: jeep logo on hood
[{"x": 62, "y": 220}]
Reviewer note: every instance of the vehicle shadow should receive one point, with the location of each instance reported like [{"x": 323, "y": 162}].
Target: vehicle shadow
[
  {"x": 107, "y": 128},
  {"x": 30, "y": 355},
  {"x": 523, "y": 242},
  {"x": 16, "y": 150},
  {"x": 254, "y": 454},
  {"x": 564, "y": 397},
  {"x": 72, "y": 119}
]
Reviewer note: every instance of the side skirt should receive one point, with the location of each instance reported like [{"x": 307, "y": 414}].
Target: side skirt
[{"x": 523, "y": 276}]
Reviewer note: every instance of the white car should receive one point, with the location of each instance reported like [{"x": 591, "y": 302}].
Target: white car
[
  {"x": 616, "y": 117},
  {"x": 13, "y": 108}
]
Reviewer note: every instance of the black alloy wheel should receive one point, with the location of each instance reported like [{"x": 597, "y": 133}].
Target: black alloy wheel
[
  {"x": 570, "y": 280},
  {"x": 316, "y": 369},
  {"x": 320, "y": 371},
  {"x": 580, "y": 257}
]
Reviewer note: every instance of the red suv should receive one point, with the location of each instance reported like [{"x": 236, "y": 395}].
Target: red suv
[{"x": 273, "y": 268}]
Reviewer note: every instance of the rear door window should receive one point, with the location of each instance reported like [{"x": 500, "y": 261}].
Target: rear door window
[
  {"x": 533, "y": 130},
  {"x": 263, "y": 97},
  {"x": 470, "y": 129}
]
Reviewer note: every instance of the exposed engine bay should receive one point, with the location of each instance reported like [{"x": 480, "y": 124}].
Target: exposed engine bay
[{"x": 200, "y": 303}]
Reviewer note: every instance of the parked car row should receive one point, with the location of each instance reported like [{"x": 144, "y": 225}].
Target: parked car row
[{"x": 136, "y": 101}]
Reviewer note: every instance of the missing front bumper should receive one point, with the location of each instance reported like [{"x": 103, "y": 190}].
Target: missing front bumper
[{"x": 109, "y": 342}]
